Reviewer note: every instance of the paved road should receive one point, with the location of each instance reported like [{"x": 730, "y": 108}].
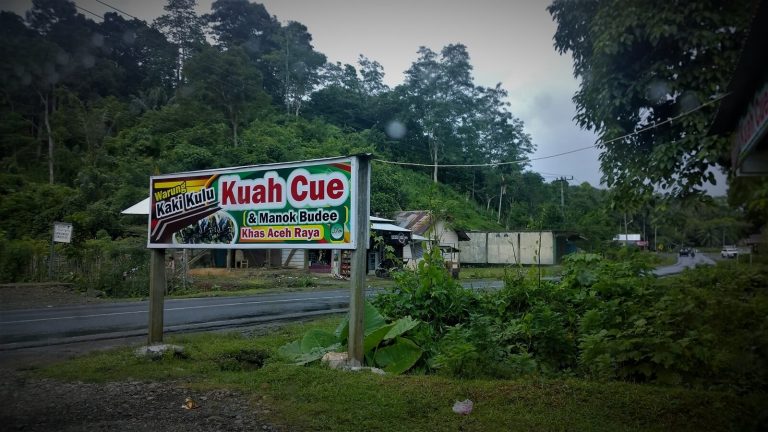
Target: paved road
[
  {"x": 67, "y": 324},
  {"x": 31, "y": 327},
  {"x": 684, "y": 262}
]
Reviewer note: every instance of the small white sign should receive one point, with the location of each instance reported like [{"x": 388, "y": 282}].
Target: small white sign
[{"x": 62, "y": 232}]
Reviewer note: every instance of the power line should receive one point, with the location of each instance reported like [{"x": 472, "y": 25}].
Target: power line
[
  {"x": 122, "y": 12},
  {"x": 94, "y": 14},
  {"x": 526, "y": 160}
]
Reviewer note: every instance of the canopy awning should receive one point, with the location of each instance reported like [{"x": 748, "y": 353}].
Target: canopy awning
[
  {"x": 140, "y": 208},
  {"x": 388, "y": 227}
]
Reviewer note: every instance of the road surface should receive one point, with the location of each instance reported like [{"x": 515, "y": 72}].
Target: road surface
[
  {"x": 68, "y": 324},
  {"x": 684, "y": 262},
  {"x": 35, "y": 327}
]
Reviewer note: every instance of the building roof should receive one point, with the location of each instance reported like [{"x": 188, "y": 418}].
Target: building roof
[
  {"x": 418, "y": 221},
  {"x": 378, "y": 226},
  {"x": 380, "y": 219}
]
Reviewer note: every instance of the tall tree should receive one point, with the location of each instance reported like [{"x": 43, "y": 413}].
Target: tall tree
[
  {"x": 296, "y": 66},
  {"x": 641, "y": 63},
  {"x": 229, "y": 82},
  {"x": 439, "y": 92},
  {"x": 240, "y": 23},
  {"x": 184, "y": 28},
  {"x": 372, "y": 76},
  {"x": 146, "y": 59}
]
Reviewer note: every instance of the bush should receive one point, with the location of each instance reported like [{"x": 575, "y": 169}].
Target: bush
[
  {"x": 22, "y": 260},
  {"x": 119, "y": 268},
  {"x": 606, "y": 319},
  {"x": 429, "y": 294}
]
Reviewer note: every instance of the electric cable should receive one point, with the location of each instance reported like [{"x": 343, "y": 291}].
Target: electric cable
[{"x": 597, "y": 144}]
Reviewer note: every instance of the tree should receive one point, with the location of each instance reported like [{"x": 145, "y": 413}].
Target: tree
[
  {"x": 372, "y": 76},
  {"x": 184, "y": 28},
  {"x": 641, "y": 63},
  {"x": 240, "y": 23},
  {"x": 295, "y": 66},
  {"x": 146, "y": 59},
  {"x": 229, "y": 82},
  {"x": 439, "y": 93}
]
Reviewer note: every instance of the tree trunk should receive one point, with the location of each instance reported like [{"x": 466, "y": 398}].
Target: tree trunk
[
  {"x": 46, "y": 120},
  {"x": 501, "y": 195},
  {"x": 434, "y": 159},
  {"x": 234, "y": 127}
]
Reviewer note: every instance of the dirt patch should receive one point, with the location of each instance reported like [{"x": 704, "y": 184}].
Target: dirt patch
[
  {"x": 49, "y": 405},
  {"x": 37, "y": 295}
]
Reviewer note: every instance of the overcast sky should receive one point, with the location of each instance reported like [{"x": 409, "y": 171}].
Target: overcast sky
[{"x": 508, "y": 41}]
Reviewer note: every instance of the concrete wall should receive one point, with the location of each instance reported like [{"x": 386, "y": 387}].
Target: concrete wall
[
  {"x": 514, "y": 247},
  {"x": 474, "y": 251}
]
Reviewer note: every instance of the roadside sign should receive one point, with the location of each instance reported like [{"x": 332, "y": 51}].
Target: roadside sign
[
  {"x": 62, "y": 232},
  {"x": 660, "y": 246},
  {"x": 298, "y": 205}
]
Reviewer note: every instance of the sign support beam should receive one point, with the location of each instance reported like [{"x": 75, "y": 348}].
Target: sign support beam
[
  {"x": 358, "y": 260},
  {"x": 156, "y": 295}
]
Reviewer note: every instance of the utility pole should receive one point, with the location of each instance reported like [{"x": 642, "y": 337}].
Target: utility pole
[
  {"x": 563, "y": 180},
  {"x": 501, "y": 195},
  {"x": 626, "y": 235}
]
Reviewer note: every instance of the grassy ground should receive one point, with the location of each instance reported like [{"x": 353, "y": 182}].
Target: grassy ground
[
  {"x": 317, "y": 398},
  {"x": 216, "y": 282}
]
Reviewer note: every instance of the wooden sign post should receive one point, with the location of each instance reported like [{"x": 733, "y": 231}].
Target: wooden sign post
[{"x": 358, "y": 263}]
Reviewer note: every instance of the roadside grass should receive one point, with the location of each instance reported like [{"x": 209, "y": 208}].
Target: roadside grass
[
  {"x": 242, "y": 282},
  {"x": 497, "y": 272},
  {"x": 317, "y": 398}
]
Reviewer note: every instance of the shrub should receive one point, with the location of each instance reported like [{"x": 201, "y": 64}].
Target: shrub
[
  {"x": 22, "y": 260},
  {"x": 429, "y": 294}
]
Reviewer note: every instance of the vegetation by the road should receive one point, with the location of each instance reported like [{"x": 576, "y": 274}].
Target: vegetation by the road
[
  {"x": 607, "y": 348},
  {"x": 91, "y": 109},
  {"x": 316, "y": 398}
]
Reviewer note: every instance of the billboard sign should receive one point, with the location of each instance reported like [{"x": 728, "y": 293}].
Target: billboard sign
[{"x": 297, "y": 205}]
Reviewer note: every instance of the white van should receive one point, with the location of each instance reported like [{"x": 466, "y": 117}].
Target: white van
[{"x": 729, "y": 252}]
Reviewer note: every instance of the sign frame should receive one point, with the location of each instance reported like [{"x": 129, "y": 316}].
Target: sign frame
[{"x": 157, "y": 238}]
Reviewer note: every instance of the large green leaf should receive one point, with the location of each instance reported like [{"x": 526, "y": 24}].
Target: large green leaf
[
  {"x": 373, "y": 339},
  {"x": 342, "y": 330},
  {"x": 316, "y": 354},
  {"x": 372, "y": 321},
  {"x": 401, "y": 326},
  {"x": 290, "y": 351},
  {"x": 398, "y": 357},
  {"x": 316, "y": 338}
]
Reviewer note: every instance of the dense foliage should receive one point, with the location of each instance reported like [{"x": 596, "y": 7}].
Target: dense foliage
[
  {"x": 645, "y": 62},
  {"x": 606, "y": 319},
  {"x": 92, "y": 107}
]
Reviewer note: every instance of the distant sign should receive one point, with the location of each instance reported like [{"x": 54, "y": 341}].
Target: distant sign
[
  {"x": 753, "y": 126},
  {"x": 62, "y": 232},
  {"x": 306, "y": 205}
]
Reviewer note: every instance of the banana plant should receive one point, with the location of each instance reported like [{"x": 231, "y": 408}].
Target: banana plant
[{"x": 384, "y": 344}]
